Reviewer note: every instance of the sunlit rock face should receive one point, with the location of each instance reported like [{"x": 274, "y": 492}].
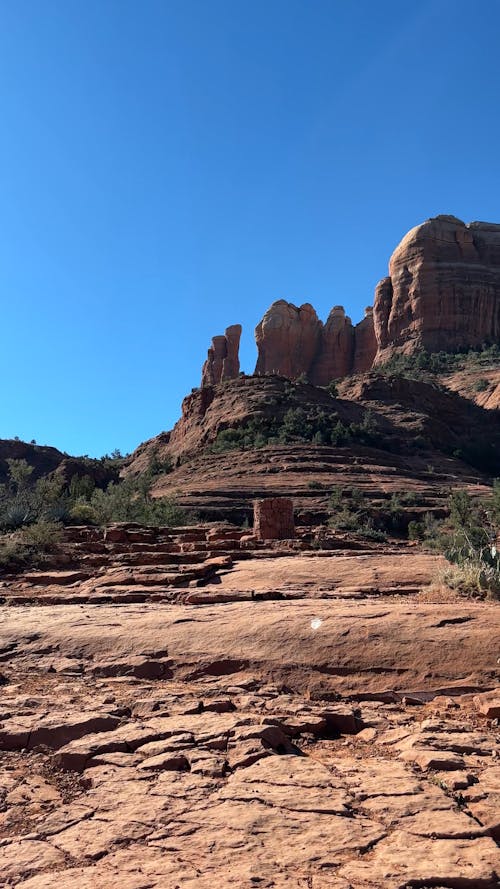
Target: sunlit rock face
[
  {"x": 288, "y": 339},
  {"x": 442, "y": 293},
  {"x": 223, "y": 361},
  {"x": 292, "y": 341},
  {"x": 443, "y": 289},
  {"x": 365, "y": 343},
  {"x": 335, "y": 355}
]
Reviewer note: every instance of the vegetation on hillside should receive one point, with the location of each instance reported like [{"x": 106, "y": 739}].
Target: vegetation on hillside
[
  {"x": 33, "y": 513},
  {"x": 316, "y": 426},
  {"x": 351, "y": 511},
  {"x": 422, "y": 365}
]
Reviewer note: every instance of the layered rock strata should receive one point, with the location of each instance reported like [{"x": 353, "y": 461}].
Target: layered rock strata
[
  {"x": 442, "y": 293},
  {"x": 288, "y": 339},
  {"x": 291, "y": 341},
  {"x": 273, "y": 519},
  {"x": 443, "y": 289}
]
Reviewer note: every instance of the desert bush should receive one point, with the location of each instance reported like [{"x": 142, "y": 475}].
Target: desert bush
[
  {"x": 349, "y": 512},
  {"x": 15, "y": 513},
  {"x": 316, "y": 426},
  {"x": 472, "y": 579},
  {"x": 421, "y": 365},
  {"x": 83, "y": 513},
  {"x": 81, "y": 487},
  {"x": 428, "y": 531},
  {"x": 13, "y": 555},
  {"x": 31, "y": 547},
  {"x": 130, "y": 501},
  {"x": 43, "y": 536},
  {"x": 469, "y": 544},
  {"x": 481, "y": 385},
  {"x": 160, "y": 465}
]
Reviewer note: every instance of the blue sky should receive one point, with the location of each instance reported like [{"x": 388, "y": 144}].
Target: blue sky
[{"x": 170, "y": 168}]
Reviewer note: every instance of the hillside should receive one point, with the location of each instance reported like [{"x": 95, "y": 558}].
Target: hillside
[{"x": 258, "y": 436}]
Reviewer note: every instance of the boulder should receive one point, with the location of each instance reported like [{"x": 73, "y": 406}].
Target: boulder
[{"x": 273, "y": 519}]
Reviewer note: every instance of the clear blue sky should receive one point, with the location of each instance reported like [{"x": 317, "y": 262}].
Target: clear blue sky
[{"x": 169, "y": 168}]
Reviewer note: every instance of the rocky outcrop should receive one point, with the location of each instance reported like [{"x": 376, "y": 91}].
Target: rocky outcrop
[
  {"x": 443, "y": 289},
  {"x": 293, "y": 341},
  {"x": 223, "y": 361},
  {"x": 273, "y": 519},
  {"x": 365, "y": 344},
  {"x": 288, "y": 339},
  {"x": 336, "y": 349},
  {"x": 442, "y": 293}
]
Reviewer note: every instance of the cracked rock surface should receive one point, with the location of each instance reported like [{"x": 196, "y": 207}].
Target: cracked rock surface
[{"x": 349, "y": 741}]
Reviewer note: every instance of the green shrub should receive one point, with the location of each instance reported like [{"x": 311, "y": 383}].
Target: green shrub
[
  {"x": 415, "y": 530},
  {"x": 43, "y": 536},
  {"x": 15, "y": 514},
  {"x": 472, "y": 579},
  {"x": 160, "y": 465},
  {"x": 481, "y": 385},
  {"x": 83, "y": 513},
  {"x": 317, "y": 426},
  {"x": 130, "y": 501},
  {"x": 336, "y": 496},
  {"x": 81, "y": 487},
  {"x": 30, "y": 548},
  {"x": 422, "y": 364},
  {"x": 468, "y": 543},
  {"x": 13, "y": 555},
  {"x": 348, "y": 512}
]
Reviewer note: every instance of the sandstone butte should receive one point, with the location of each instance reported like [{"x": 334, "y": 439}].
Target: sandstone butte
[
  {"x": 442, "y": 294},
  {"x": 258, "y": 699}
]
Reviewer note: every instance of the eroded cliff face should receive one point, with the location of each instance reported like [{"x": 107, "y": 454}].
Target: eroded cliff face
[
  {"x": 365, "y": 344},
  {"x": 288, "y": 339},
  {"x": 443, "y": 289},
  {"x": 223, "y": 362},
  {"x": 292, "y": 341},
  {"x": 442, "y": 293}
]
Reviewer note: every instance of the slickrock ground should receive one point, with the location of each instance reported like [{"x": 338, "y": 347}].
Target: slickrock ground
[{"x": 292, "y": 718}]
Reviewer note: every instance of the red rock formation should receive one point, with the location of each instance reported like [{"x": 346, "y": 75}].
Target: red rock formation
[
  {"x": 365, "y": 344},
  {"x": 223, "y": 359},
  {"x": 443, "y": 289},
  {"x": 287, "y": 338},
  {"x": 442, "y": 293},
  {"x": 293, "y": 341},
  {"x": 336, "y": 348},
  {"x": 231, "y": 362},
  {"x": 273, "y": 519}
]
